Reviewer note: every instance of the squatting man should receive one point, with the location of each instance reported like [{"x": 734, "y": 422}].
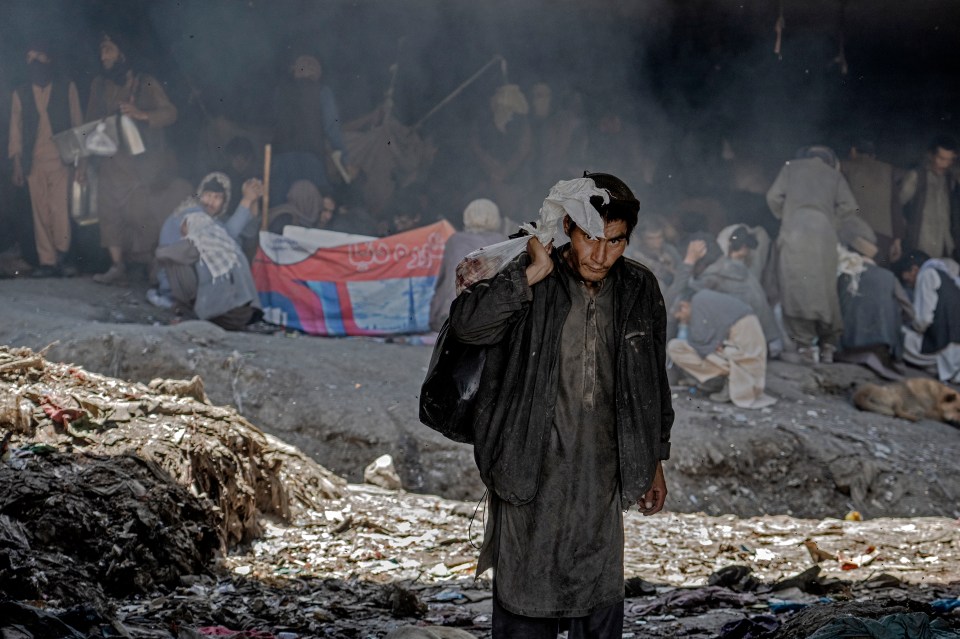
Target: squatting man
[{"x": 574, "y": 415}]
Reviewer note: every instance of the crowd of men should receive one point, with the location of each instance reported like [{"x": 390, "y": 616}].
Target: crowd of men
[{"x": 855, "y": 260}]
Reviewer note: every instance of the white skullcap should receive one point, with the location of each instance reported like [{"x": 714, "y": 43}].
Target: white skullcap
[{"x": 482, "y": 215}]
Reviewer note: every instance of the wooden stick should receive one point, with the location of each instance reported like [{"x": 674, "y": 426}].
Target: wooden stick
[
  {"x": 456, "y": 92},
  {"x": 267, "y": 157}
]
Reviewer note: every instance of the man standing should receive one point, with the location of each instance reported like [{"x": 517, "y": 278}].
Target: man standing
[
  {"x": 810, "y": 196},
  {"x": 44, "y": 106},
  {"x": 572, "y": 417},
  {"x": 930, "y": 202},
  {"x": 306, "y": 129},
  {"x": 124, "y": 179},
  {"x": 874, "y": 185}
]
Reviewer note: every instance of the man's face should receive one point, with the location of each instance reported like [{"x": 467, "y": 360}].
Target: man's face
[
  {"x": 37, "y": 56},
  {"x": 328, "y": 208},
  {"x": 109, "y": 54},
  {"x": 942, "y": 160},
  {"x": 592, "y": 258},
  {"x": 212, "y": 202},
  {"x": 653, "y": 241},
  {"x": 682, "y": 313},
  {"x": 240, "y": 163},
  {"x": 909, "y": 276}
]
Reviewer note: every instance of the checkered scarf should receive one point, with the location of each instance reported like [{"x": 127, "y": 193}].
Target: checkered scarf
[{"x": 218, "y": 251}]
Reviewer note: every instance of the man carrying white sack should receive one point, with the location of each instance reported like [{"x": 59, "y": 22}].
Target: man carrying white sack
[{"x": 572, "y": 416}]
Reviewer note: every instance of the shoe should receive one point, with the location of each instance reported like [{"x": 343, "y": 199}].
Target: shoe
[
  {"x": 116, "y": 274},
  {"x": 262, "y": 328},
  {"x": 69, "y": 270},
  {"x": 712, "y": 385},
  {"x": 723, "y": 395},
  {"x": 45, "y": 270},
  {"x": 158, "y": 300},
  {"x": 806, "y": 355}
]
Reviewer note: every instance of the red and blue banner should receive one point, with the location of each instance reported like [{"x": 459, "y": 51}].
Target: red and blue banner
[{"x": 381, "y": 286}]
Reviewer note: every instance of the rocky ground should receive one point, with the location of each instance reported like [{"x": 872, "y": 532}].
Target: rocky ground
[{"x": 746, "y": 489}]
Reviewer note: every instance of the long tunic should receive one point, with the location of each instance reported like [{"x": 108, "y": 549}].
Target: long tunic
[
  {"x": 124, "y": 179},
  {"x": 561, "y": 555},
  {"x": 810, "y": 198}
]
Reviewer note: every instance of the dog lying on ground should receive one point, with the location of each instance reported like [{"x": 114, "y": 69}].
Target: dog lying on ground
[{"x": 912, "y": 399}]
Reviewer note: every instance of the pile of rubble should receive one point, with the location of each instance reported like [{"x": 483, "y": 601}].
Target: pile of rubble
[{"x": 113, "y": 488}]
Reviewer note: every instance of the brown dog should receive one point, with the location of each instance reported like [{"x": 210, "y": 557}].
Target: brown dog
[{"x": 912, "y": 399}]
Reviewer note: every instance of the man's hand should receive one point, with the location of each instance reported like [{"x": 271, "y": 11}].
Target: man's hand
[
  {"x": 251, "y": 191},
  {"x": 80, "y": 173},
  {"x": 17, "y": 177},
  {"x": 652, "y": 500},
  {"x": 695, "y": 250},
  {"x": 129, "y": 110},
  {"x": 540, "y": 263}
]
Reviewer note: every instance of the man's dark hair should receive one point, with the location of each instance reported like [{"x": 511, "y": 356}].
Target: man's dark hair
[
  {"x": 908, "y": 261},
  {"x": 212, "y": 186},
  {"x": 740, "y": 237},
  {"x": 865, "y": 146},
  {"x": 623, "y": 204},
  {"x": 945, "y": 142},
  {"x": 239, "y": 147}
]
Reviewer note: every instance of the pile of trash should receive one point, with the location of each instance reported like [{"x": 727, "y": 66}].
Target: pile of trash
[
  {"x": 109, "y": 488},
  {"x": 81, "y": 528}
]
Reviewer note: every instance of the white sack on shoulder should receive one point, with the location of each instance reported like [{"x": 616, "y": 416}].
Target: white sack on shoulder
[{"x": 567, "y": 197}]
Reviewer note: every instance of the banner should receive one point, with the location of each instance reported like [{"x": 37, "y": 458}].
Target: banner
[{"x": 382, "y": 286}]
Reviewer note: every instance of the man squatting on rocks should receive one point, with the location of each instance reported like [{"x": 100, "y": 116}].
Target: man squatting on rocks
[{"x": 573, "y": 419}]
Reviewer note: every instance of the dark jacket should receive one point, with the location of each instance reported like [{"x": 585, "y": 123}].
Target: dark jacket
[
  {"x": 514, "y": 407},
  {"x": 873, "y": 315},
  {"x": 913, "y": 212},
  {"x": 58, "y": 110}
]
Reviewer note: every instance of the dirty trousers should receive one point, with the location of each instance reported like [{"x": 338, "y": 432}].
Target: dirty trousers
[
  {"x": 179, "y": 261},
  {"x": 606, "y": 623},
  {"x": 48, "y": 183},
  {"x": 807, "y": 331},
  {"x": 742, "y": 357}
]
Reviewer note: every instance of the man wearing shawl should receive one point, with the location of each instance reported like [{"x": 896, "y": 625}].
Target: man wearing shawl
[
  {"x": 202, "y": 268},
  {"x": 572, "y": 417}
]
